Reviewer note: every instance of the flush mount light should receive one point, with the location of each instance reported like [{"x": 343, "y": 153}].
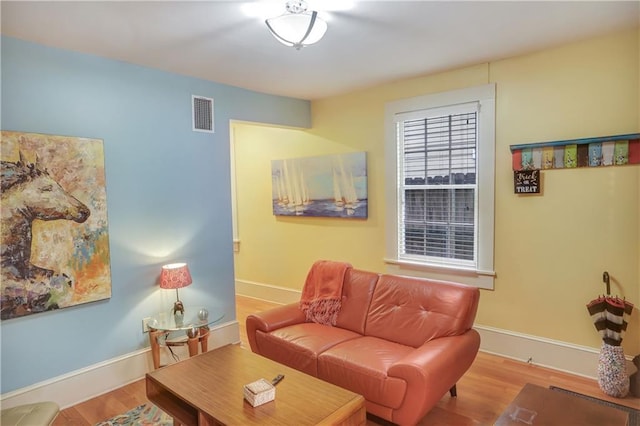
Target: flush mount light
[{"x": 297, "y": 27}]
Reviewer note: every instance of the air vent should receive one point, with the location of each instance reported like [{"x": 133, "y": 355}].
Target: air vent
[{"x": 202, "y": 114}]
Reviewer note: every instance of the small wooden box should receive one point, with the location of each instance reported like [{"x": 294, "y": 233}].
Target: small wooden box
[{"x": 259, "y": 392}]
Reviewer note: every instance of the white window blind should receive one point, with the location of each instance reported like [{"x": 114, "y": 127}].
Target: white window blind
[{"x": 437, "y": 185}]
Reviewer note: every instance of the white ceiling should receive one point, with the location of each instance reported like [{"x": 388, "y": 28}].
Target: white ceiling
[{"x": 370, "y": 43}]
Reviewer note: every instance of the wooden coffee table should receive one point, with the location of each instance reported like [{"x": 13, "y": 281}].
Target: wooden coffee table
[
  {"x": 536, "y": 405},
  {"x": 207, "y": 390}
]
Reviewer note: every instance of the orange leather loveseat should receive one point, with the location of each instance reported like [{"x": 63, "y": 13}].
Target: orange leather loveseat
[{"x": 400, "y": 342}]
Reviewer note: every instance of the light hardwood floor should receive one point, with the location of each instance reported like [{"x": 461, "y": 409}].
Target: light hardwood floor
[{"x": 483, "y": 393}]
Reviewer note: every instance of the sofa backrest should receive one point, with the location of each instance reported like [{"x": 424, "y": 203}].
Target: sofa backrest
[
  {"x": 357, "y": 291},
  {"x": 412, "y": 311}
]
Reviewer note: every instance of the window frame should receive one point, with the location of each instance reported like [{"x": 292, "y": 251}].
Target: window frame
[{"x": 482, "y": 275}]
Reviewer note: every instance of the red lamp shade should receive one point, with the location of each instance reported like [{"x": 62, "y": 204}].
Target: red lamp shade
[{"x": 175, "y": 275}]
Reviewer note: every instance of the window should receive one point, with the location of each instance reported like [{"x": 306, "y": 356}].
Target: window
[
  {"x": 440, "y": 164},
  {"x": 437, "y": 186}
]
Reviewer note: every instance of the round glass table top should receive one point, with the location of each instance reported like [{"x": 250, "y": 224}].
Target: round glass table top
[{"x": 194, "y": 317}]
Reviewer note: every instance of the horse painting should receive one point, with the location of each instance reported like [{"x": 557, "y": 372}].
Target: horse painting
[
  {"x": 54, "y": 229},
  {"x": 29, "y": 193}
]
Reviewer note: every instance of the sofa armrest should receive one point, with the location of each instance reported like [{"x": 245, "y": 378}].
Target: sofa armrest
[
  {"x": 431, "y": 370},
  {"x": 272, "y": 319}
]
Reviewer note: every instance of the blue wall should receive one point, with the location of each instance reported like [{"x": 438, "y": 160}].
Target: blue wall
[{"x": 168, "y": 194}]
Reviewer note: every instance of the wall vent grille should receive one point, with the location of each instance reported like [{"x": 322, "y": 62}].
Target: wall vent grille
[{"x": 202, "y": 112}]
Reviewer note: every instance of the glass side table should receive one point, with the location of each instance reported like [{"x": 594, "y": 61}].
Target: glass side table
[{"x": 195, "y": 322}]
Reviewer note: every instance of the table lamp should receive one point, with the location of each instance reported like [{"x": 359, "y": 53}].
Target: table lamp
[{"x": 176, "y": 275}]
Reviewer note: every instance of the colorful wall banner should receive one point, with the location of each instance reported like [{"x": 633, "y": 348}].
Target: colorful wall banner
[{"x": 615, "y": 150}]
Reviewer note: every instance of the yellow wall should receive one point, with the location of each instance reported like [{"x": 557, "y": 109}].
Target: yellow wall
[{"x": 551, "y": 249}]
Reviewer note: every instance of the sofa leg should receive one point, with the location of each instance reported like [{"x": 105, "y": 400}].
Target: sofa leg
[{"x": 453, "y": 391}]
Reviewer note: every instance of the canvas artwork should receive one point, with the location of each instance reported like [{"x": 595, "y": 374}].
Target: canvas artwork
[
  {"x": 55, "y": 240},
  {"x": 327, "y": 186}
]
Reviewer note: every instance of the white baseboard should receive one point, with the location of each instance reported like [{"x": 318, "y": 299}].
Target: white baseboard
[
  {"x": 554, "y": 354},
  {"x": 267, "y": 292},
  {"x": 80, "y": 385}
]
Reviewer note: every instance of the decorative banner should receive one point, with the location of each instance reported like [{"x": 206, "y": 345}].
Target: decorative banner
[
  {"x": 55, "y": 242},
  {"x": 590, "y": 152},
  {"x": 526, "y": 181}
]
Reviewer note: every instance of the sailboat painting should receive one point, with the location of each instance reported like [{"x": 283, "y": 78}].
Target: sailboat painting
[{"x": 323, "y": 186}]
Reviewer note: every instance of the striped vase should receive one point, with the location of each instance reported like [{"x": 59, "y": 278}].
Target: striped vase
[{"x": 613, "y": 378}]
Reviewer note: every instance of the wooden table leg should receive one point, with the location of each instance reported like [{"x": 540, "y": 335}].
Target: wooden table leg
[
  {"x": 155, "y": 347},
  {"x": 204, "y": 338},
  {"x": 192, "y": 342}
]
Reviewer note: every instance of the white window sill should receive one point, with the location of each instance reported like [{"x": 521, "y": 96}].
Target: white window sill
[{"x": 479, "y": 278}]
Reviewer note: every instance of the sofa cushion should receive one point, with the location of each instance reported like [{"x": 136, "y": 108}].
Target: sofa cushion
[
  {"x": 357, "y": 292},
  {"x": 298, "y": 346},
  {"x": 428, "y": 308},
  {"x": 361, "y": 365}
]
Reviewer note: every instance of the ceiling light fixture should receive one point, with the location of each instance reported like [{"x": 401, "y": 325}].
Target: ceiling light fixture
[{"x": 297, "y": 28}]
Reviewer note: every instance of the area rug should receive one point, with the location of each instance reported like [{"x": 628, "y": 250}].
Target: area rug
[
  {"x": 634, "y": 415},
  {"x": 143, "y": 415}
]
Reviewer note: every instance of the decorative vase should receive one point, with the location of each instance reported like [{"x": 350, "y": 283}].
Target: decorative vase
[
  {"x": 612, "y": 371},
  {"x": 178, "y": 316}
]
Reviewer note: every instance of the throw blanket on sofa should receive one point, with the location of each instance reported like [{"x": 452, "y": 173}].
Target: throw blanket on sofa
[{"x": 322, "y": 292}]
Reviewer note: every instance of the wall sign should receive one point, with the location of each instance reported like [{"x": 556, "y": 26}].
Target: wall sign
[{"x": 526, "y": 181}]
